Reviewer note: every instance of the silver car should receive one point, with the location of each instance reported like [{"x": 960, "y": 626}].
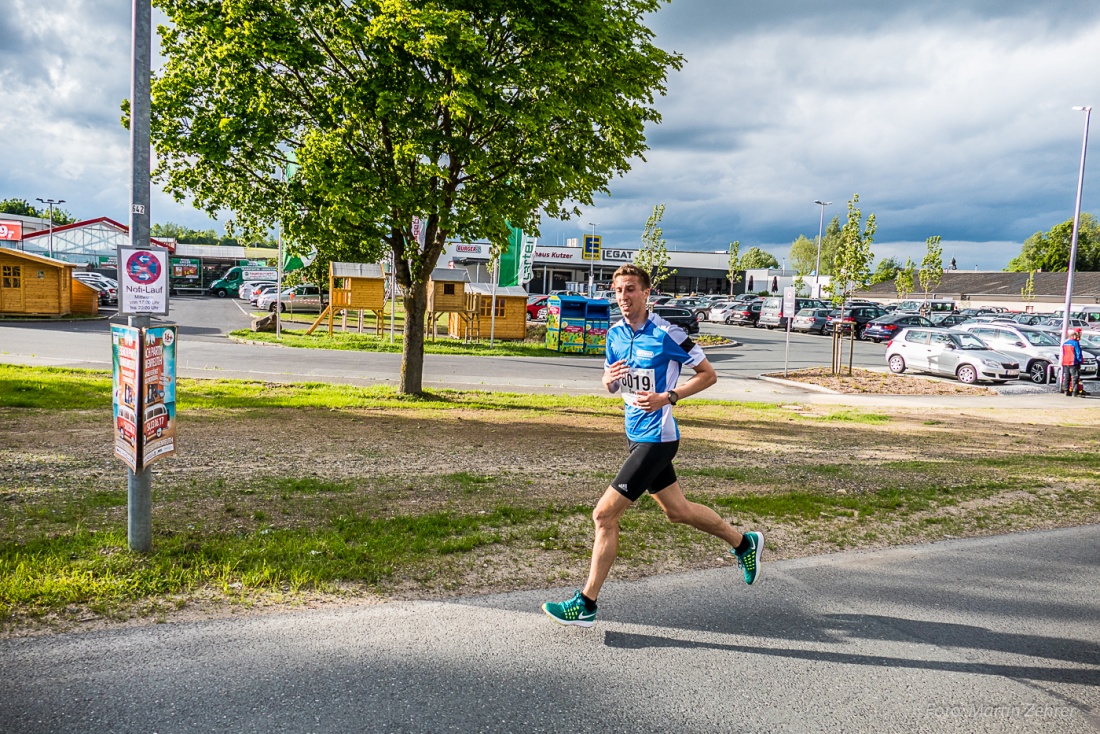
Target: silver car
[
  {"x": 956, "y": 353},
  {"x": 719, "y": 311}
]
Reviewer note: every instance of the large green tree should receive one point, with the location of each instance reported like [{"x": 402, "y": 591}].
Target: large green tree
[
  {"x": 756, "y": 259},
  {"x": 803, "y": 254},
  {"x": 886, "y": 270},
  {"x": 465, "y": 116},
  {"x": 1049, "y": 251},
  {"x": 852, "y": 265},
  {"x": 931, "y": 267}
]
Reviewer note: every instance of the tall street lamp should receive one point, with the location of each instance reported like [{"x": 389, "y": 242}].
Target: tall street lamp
[
  {"x": 817, "y": 266},
  {"x": 592, "y": 262},
  {"x": 51, "y": 202},
  {"x": 1076, "y": 225}
]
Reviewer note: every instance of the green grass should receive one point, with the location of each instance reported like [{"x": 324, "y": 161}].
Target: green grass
[
  {"x": 85, "y": 567},
  {"x": 855, "y": 416},
  {"x": 371, "y": 343},
  {"x": 51, "y": 388}
]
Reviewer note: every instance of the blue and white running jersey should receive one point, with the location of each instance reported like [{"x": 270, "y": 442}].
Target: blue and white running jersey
[{"x": 654, "y": 354}]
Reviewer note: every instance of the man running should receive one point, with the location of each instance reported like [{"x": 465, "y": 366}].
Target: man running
[{"x": 644, "y": 355}]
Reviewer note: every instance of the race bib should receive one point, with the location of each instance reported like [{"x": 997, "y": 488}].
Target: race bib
[{"x": 637, "y": 381}]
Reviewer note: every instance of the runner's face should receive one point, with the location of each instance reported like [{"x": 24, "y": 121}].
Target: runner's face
[{"x": 630, "y": 296}]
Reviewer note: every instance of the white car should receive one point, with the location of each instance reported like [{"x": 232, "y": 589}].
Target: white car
[
  {"x": 304, "y": 297},
  {"x": 719, "y": 311},
  {"x": 956, "y": 353},
  {"x": 1035, "y": 349},
  {"x": 244, "y": 292}
]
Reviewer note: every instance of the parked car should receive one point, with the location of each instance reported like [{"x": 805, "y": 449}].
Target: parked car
[
  {"x": 1029, "y": 319},
  {"x": 930, "y": 306},
  {"x": 244, "y": 290},
  {"x": 856, "y": 316},
  {"x": 261, "y": 290},
  {"x": 720, "y": 311},
  {"x": 1035, "y": 349},
  {"x": 947, "y": 320},
  {"x": 972, "y": 312},
  {"x": 957, "y": 353},
  {"x": 811, "y": 320},
  {"x": 304, "y": 297},
  {"x": 746, "y": 314},
  {"x": 682, "y": 317},
  {"x": 885, "y": 327},
  {"x": 659, "y": 300},
  {"x": 769, "y": 312},
  {"x": 536, "y": 307}
]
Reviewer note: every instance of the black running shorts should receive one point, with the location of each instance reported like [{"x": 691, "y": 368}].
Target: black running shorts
[{"x": 648, "y": 468}]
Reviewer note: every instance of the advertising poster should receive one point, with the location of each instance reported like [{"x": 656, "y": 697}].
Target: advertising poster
[
  {"x": 185, "y": 268},
  {"x": 125, "y": 366},
  {"x": 143, "y": 281},
  {"x": 158, "y": 366}
]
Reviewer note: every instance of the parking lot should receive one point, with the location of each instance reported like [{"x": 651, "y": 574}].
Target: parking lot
[{"x": 204, "y": 351}]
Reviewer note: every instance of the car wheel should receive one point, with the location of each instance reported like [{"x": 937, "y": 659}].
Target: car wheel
[
  {"x": 221, "y": 293},
  {"x": 271, "y": 308},
  {"x": 967, "y": 374},
  {"x": 1038, "y": 372},
  {"x": 897, "y": 364}
]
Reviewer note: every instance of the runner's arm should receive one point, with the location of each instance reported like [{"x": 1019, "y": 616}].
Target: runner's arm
[
  {"x": 704, "y": 377},
  {"x": 614, "y": 372}
]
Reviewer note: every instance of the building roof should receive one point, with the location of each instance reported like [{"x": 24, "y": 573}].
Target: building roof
[
  {"x": 233, "y": 252},
  {"x": 486, "y": 289},
  {"x": 37, "y": 258},
  {"x": 167, "y": 244},
  {"x": 971, "y": 284},
  {"x": 450, "y": 275},
  {"x": 357, "y": 270}
]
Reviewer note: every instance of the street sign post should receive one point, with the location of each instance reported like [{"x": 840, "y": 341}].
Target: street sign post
[{"x": 790, "y": 300}]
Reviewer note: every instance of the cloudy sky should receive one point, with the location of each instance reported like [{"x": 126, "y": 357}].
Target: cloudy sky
[{"x": 949, "y": 118}]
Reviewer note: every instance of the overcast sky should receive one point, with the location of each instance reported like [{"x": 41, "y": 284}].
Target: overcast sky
[{"x": 948, "y": 118}]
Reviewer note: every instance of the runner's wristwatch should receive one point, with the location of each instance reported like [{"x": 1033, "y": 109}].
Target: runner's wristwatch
[{"x": 672, "y": 397}]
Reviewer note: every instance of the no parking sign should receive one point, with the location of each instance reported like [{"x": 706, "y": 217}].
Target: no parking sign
[{"x": 143, "y": 281}]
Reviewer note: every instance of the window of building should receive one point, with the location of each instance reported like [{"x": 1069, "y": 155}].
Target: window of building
[
  {"x": 448, "y": 289},
  {"x": 12, "y": 276},
  {"x": 485, "y": 309}
]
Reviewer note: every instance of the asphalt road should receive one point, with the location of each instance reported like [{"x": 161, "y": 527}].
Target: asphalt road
[{"x": 984, "y": 635}]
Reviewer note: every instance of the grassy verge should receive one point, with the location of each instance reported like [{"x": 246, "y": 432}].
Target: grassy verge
[{"x": 284, "y": 491}]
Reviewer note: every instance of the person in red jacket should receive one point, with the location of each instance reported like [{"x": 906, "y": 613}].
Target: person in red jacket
[{"x": 1071, "y": 364}]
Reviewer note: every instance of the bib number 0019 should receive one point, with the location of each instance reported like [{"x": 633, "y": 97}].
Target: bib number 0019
[{"x": 635, "y": 382}]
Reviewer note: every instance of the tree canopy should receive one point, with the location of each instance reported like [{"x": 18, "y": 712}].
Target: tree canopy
[
  {"x": 23, "y": 208},
  {"x": 803, "y": 254},
  {"x": 756, "y": 259},
  {"x": 886, "y": 270},
  {"x": 1049, "y": 251},
  {"x": 368, "y": 126}
]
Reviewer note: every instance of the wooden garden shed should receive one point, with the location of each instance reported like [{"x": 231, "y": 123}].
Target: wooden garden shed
[
  {"x": 446, "y": 293},
  {"x": 511, "y": 313},
  {"x": 35, "y": 284}
]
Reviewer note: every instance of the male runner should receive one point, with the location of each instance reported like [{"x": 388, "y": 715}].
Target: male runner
[{"x": 644, "y": 354}]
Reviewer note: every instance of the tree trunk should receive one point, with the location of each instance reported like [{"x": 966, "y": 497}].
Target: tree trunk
[{"x": 412, "y": 355}]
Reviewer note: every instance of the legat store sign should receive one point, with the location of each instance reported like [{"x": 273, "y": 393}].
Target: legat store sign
[{"x": 10, "y": 231}]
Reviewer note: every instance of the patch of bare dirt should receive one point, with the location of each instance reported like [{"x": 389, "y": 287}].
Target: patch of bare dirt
[{"x": 864, "y": 382}]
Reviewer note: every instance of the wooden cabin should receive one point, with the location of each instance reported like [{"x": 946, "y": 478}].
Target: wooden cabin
[
  {"x": 85, "y": 299},
  {"x": 34, "y": 284},
  {"x": 511, "y": 313},
  {"x": 446, "y": 294}
]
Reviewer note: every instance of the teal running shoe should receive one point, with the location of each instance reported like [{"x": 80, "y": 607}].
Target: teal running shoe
[
  {"x": 570, "y": 612},
  {"x": 749, "y": 561}
]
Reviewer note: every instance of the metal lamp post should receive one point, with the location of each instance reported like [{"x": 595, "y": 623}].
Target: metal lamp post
[
  {"x": 592, "y": 263},
  {"x": 1076, "y": 226},
  {"x": 51, "y": 202},
  {"x": 817, "y": 266}
]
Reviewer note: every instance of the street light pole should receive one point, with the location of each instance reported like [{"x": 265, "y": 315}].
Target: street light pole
[
  {"x": 1076, "y": 225},
  {"x": 592, "y": 262},
  {"x": 817, "y": 266},
  {"x": 51, "y": 202}
]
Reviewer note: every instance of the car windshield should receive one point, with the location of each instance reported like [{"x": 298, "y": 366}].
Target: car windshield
[
  {"x": 1040, "y": 339},
  {"x": 969, "y": 341}
]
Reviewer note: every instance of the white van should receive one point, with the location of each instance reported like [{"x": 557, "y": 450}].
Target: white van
[{"x": 930, "y": 306}]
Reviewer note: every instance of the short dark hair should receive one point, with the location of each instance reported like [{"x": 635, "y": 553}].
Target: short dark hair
[{"x": 632, "y": 269}]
